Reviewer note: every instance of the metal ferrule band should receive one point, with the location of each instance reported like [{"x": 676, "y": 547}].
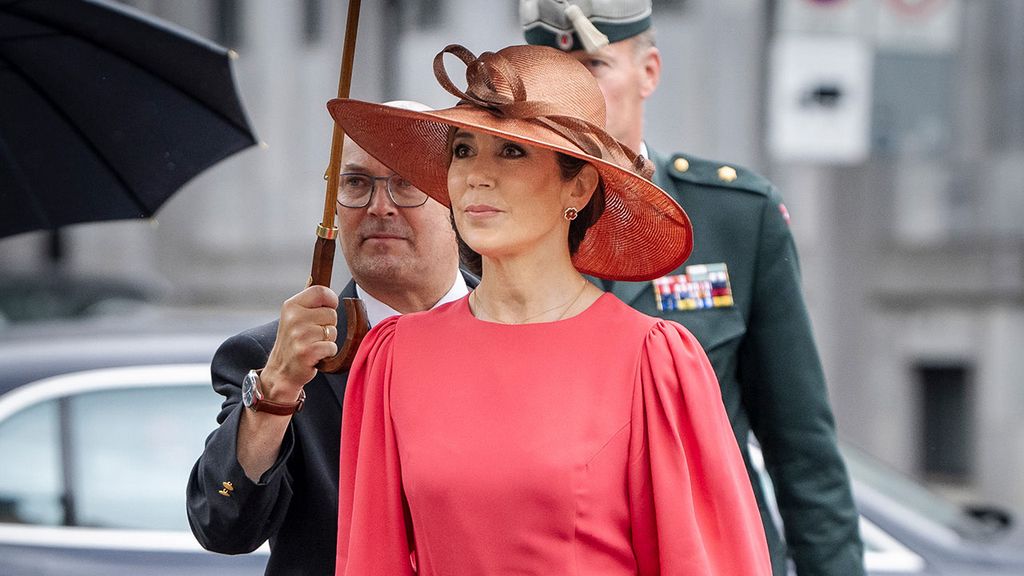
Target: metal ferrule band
[{"x": 326, "y": 233}]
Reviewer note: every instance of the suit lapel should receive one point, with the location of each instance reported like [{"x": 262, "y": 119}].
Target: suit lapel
[
  {"x": 337, "y": 383},
  {"x": 471, "y": 280}
]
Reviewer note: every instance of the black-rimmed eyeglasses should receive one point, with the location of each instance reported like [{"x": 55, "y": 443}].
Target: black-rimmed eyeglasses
[{"x": 356, "y": 190}]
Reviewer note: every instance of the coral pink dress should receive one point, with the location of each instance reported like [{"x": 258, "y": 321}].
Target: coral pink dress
[{"x": 596, "y": 446}]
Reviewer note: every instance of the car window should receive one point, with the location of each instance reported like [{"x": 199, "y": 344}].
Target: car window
[
  {"x": 912, "y": 495},
  {"x": 132, "y": 452},
  {"x": 109, "y": 456},
  {"x": 30, "y": 477}
]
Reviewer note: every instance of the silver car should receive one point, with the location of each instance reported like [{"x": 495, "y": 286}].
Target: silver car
[
  {"x": 99, "y": 428},
  {"x": 909, "y": 530}
]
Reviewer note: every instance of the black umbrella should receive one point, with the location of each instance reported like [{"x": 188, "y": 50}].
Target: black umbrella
[{"x": 105, "y": 112}]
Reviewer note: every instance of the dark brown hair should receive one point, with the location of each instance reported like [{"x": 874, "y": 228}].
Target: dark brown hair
[{"x": 569, "y": 167}]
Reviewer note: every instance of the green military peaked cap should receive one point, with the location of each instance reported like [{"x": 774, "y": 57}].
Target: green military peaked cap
[{"x": 582, "y": 24}]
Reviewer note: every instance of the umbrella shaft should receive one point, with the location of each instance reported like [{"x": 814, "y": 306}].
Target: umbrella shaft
[
  {"x": 344, "y": 87},
  {"x": 323, "y": 262}
]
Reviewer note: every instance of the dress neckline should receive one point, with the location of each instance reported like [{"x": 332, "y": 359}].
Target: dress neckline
[{"x": 464, "y": 302}]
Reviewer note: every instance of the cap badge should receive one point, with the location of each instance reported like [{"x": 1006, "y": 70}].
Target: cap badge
[{"x": 565, "y": 41}]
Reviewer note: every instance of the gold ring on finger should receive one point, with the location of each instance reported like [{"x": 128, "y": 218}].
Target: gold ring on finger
[{"x": 327, "y": 332}]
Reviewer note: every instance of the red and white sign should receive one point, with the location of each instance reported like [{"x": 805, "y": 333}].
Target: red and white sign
[
  {"x": 919, "y": 8},
  {"x": 921, "y": 26},
  {"x": 850, "y": 17},
  {"x": 820, "y": 99}
]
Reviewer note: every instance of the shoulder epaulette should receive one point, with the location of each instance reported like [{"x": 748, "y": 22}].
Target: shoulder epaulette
[{"x": 710, "y": 173}]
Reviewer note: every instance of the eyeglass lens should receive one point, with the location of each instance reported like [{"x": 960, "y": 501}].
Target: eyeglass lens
[{"x": 356, "y": 190}]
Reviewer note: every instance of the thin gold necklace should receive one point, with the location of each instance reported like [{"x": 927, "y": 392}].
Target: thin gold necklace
[{"x": 568, "y": 306}]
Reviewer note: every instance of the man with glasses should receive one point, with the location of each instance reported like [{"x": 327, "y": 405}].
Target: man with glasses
[{"x": 270, "y": 470}]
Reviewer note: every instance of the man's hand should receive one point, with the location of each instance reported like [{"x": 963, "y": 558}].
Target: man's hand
[{"x": 306, "y": 334}]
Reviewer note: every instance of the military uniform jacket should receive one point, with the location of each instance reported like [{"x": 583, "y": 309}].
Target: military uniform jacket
[
  {"x": 764, "y": 355},
  {"x": 295, "y": 503}
]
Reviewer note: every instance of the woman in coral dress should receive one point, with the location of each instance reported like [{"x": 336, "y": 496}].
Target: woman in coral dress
[{"x": 538, "y": 426}]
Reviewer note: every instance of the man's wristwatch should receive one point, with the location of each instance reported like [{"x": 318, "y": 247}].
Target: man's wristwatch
[{"x": 253, "y": 399}]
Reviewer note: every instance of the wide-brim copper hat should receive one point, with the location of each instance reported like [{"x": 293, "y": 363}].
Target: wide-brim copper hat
[{"x": 541, "y": 97}]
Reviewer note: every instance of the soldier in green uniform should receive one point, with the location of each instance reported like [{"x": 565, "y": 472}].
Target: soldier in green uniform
[{"x": 739, "y": 293}]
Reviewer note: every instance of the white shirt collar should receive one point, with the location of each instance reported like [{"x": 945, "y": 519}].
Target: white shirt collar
[
  {"x": 643, "y": 150},
  {"x": 377, "y": 311}
]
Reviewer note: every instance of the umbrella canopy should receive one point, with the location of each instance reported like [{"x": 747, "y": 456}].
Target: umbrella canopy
[{"x": 105, "y": 112}]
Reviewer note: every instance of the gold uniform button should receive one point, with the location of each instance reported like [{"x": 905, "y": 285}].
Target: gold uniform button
[
  {"x": 727, "y": 173},
  {"x": 681, "y": 164}
]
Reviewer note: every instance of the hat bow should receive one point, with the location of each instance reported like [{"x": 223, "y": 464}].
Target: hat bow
[{"x": 494, "y": 84}]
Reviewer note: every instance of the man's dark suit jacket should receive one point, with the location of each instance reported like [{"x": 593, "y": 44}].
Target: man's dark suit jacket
[{"x": 295, "y": 503}]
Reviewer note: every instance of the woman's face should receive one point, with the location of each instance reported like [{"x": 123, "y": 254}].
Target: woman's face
[{"x": 509, "y": 198}]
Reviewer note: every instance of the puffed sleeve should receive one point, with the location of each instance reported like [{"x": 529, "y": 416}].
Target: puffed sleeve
[
  {"x": 373, "y": 536},
  {"x": 692, "y": 508}
]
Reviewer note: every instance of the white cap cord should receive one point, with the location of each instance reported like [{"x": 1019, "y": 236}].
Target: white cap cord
[{"x": 591, "y": 38}]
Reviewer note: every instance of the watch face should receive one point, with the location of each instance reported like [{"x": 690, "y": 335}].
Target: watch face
[{"x": 248, "y": 389}]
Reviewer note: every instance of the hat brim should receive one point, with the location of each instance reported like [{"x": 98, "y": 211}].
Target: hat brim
[{"x": 643, "y": 233}]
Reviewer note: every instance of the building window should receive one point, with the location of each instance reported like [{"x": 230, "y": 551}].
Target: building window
[
  {"x": 228, "y": 21},
  {"x": 946, "y": 423},
  {"x": 422, "y": 14},
  {"x": 312, "y": 21}
]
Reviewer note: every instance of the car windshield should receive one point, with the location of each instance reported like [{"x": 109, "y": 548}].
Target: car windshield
[{"x": 911, "y": 494}]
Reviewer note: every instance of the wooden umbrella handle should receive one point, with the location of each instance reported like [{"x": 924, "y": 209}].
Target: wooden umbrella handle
[
  {"x": 357, "y": 325},
  {"x": 326, "y": 232}
]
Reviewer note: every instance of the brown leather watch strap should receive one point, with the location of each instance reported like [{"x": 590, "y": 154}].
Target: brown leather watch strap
[{"x": 260, "y": 403}]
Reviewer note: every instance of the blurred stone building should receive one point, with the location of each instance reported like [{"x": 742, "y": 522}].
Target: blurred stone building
[{"x": 911, "y": 231}]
